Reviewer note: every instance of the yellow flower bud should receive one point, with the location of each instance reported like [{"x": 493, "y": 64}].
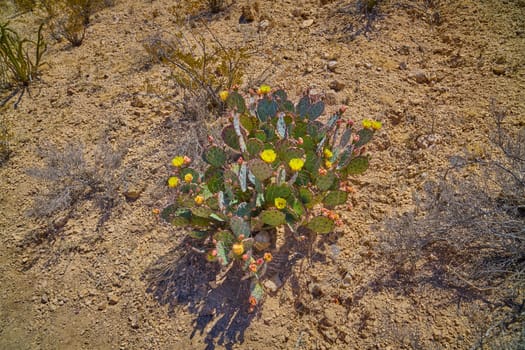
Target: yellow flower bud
[
  {"x": 224, "y": 95},
  {"x": 264, "y": 89},
  {"x": 367, "y": 124},
  {"x": 280, "y": 203},
  {"x": 238, "y": 249},
  {"x": 327, "y": 164},
  {"x": 376, "y": 125},
  {"x": 199, "y": 200},
  {"x": 268, "y": 155},
  {"x": 327, "y": 153},
  {"x": 177, "y": 161},
  {"x": 188, "y": 178},
  {"x": 296, "y": 164},
  {"x": 173, "y": 182}
]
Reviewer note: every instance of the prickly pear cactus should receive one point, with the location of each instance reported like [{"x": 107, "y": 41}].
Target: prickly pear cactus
[{"x": 274, "y": 164}]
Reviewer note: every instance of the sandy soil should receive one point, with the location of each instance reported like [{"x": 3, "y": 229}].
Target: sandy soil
[{"x": 426, "y": 69}]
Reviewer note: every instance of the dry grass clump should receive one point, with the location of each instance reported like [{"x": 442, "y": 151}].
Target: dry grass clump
[
  {"x": 70, "y": 179},
  {"x": 70, "y": 18},
  {"x": 467, "y": 231},
  {"x": 202, "y": 66}
]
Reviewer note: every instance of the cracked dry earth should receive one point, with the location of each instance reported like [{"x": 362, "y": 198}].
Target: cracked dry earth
[{"x": 427, "y": 69}]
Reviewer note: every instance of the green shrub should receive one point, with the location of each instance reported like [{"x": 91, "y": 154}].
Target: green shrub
[
  {"x": 282, "y": 168},
  {"x": 201, "y": 69}
]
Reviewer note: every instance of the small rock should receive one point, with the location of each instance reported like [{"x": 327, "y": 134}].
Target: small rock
[
  {"x": 137, "y": 102},
  {"x": 273, "y": 284},
  {"x": 134, "y": 321},
  {"x": 247, "y": 15},
  {"x": 133, "y": 193},
  {"x": 297, "y": 13},
  {"x": 263, "y": 25},
  {"x": 316, "y": 290},
  {"x": 331, "y": 65},
  {"x": 498, "y": 70},
  {"x": 307, "y": 23},
  {"x": 44, "y": 299},
  {"x": 336, "y": 85},
  {"x": 101, "y": 306},
  {"x": 113, "y": 299},
  {"x": 419, "y": 76},
  {"x": 403, "y": 66}
]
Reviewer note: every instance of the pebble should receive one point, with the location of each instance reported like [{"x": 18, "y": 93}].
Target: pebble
[
  {"x": 336, "y": 85},
  {"x": 113, "y": 299},
  {"x": 316, "y": 290},
  {"x": 331, "y": 65},
  {"x": 134, "y": 321},
  {"x": 44, "y": 299},
  {"x": 419, "y": 76},
  {"x": 307, "y": 23},
  {"x": 273, "y": 284},
  {"x": 263, "y": 25},
  {"x": 498, "y": 70}
]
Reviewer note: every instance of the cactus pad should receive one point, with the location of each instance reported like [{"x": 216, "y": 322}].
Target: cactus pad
[
  {"x": 276, "y": 191},
  {"x": 256, "y": 291},
  {"x": 358, "y": 165},
  {"x": 229, "y": 136},
  {"x": 266, "y": 109},
  {"x": 198, "y": 234},
  {"x": 214, "y": 179},
  {"x": 239, "y": 226},
  {"x": 254, "y": 146},
  {"x": 273, "y": 217},
  {"x": 224, "y": 236},
  {"x": 365, "y": 135},
  {"x": 222, "y": 253},
  {"x": 236, "y": 101},
  {"x": 320, "y": 224},
  {"x": 260, "y": 169},
  {"x": 180, "y": 221},
  {"x": 248, "y": 122},
  {"x": 215, "y": 156},
  {"x": 201, "y": 212},
  {"x": 324, "y": 182},
  {"x": 334, "y": 198}
]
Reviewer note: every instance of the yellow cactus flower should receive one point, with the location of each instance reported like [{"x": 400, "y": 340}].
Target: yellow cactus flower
[
  {"x": 199, "y": 200},
  {"x": 280, "y": 203},
  {"x": 376, "y": 125},
  {"x": 238, "y": 249},
  {"x": 268, "y": 155},
  {"x": 367, "y": 124},
  {"x": 177, "y": 161},
  {"x": 188, "y": 178},
  {"x": 327, "y": 153},
  {"x": 224, "y": 95},
  {"x": 264, "y": 89},
  {"x": 173, "y": 182},
  {"x": 296, "y": 164},
  {"x": 267, "y": 257},
  {"x": 327, "y": 164}
]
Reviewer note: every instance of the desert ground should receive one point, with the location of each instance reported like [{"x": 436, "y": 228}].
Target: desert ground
[{"x": 115, "y": 276}]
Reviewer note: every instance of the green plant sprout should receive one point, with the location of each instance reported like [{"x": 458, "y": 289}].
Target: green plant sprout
[
  {"x": 282, "y": 167},
  {"x": 17, "y": 67}
]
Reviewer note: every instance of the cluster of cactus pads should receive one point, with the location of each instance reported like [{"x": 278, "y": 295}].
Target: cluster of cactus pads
[{"x": 280, "y": 165}]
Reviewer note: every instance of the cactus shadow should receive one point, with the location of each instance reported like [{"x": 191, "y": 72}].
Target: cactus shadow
[{"x": 183, "y": 279}]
